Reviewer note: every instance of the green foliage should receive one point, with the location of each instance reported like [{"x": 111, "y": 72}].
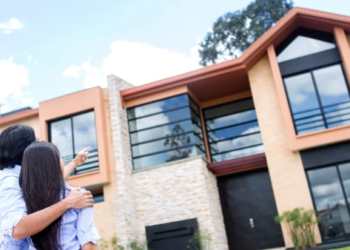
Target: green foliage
[
  {"x": 115, "y": 245},
  {"x": 200, "y": 241},
  {"x": 234, "y": 32},
  {"x": 301, "y": 225}
]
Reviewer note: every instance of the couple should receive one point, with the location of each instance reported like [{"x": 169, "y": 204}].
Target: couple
[{"x": 38, "y": 210}]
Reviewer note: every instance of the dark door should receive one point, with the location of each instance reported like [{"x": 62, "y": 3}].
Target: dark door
[{"x": 249, "y": 209}]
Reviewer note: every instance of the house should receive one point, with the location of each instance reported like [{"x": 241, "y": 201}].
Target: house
[{"x": 230, "y": 145}]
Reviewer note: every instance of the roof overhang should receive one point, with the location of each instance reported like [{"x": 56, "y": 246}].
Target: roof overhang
[
  {"x": 231, "y": 77},
  {"x": 19, "y": 116}
]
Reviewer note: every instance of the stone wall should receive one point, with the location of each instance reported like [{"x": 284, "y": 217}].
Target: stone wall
[
  {"x": 123, "y": 200},
  {"x": 179, "y": 191},
  {"x": 285, "y": 167}
]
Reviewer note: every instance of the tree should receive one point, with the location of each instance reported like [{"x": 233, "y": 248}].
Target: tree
[
  {"x": 178, "y": 141},
  {"x": 234, "y": 32}
]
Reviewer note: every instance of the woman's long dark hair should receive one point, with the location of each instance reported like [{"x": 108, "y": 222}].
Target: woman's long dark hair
[{"x": 42, "y": 183}]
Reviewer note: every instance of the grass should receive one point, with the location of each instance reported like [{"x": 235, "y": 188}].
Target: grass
[{"x": 344, "y": 248}]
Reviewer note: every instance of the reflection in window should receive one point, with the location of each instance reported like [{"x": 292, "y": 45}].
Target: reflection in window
[
  {"x": 73, "y": 134},
  {"x": 233, "y": 130},
  {"x": 165, "y": 131},
  {"x": 302, "y": 46},
  {"x": 319, "y": 99},
  {"x": 329, "y": 187}
]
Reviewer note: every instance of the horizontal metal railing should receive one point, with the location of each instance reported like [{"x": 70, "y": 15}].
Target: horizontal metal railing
[
  {"x": 92, "y": 164},
  {"x": 324, "y": 117}
]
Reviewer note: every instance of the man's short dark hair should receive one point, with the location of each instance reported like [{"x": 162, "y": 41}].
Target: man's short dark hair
[{"x": 13, "y": 141}]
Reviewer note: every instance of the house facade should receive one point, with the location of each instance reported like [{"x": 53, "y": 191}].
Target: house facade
[{"x": 230, "y": 145}]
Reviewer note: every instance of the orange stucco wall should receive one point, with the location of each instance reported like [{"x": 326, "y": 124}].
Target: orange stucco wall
[
  {"x": 30, "y": 121},
  {"x": 90, "y": 99}
]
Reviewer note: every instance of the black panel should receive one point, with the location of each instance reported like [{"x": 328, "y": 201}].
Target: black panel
[
  {"x": 249, "y": 196},
  {"x": 172, "y": 236},
  {"x": 327, "y": 155},
  {"x": 309, "y": 62}
]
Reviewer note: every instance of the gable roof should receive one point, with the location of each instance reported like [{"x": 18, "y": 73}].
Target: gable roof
[{"x": 297, "y": 17}]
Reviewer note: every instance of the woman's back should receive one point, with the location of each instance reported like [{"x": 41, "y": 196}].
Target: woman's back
[
  {"x": 43, "y": 185},
  {"x": 77, "y": 229}
]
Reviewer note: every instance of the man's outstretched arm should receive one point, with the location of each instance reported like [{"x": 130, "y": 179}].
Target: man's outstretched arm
[
  {"x": 38, "y": 221},
  {"x": 80, "y": 159}
]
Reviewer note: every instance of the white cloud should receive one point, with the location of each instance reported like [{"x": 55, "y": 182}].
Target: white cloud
[
  {"x": 13, "y": 78},
  {"x": 11, "y": 25},
  {"x": 137, "y": 63},
  {"x": 30, "y": 58}
]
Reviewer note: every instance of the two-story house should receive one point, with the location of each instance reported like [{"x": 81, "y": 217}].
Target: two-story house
[{"x": 230, "y": 145}]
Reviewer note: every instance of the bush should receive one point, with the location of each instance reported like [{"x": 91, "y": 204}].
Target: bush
[{"x": 301, "y": 225}]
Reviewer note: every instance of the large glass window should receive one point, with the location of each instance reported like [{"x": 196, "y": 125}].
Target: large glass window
[
  {"x": 73, "y": 134},
  {"x": 315, "y": 84},
  {"x": 319, "y": 99},
  {"x": 233, "y": 130},
  {"x": 165, "y": 131},
  {"x": 330, "y": 187}
]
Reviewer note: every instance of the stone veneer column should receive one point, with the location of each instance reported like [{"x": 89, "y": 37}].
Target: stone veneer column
[
  {"x": 285, "y": 167},
  {"x": 123, "y": 202}
]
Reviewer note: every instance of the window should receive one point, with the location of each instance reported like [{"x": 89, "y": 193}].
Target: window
[
  {"x": 330, "y": 188},
  {"x": 314, "y": 81},
  {"x": 233, "y": 130},
  {"x": 165, "y": 131},
  {"x": 98, "y": 197},
  {"x": 73, "y": 134}
]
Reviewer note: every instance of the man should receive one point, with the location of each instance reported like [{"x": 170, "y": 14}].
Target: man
[{"x": 16, "y": 225}]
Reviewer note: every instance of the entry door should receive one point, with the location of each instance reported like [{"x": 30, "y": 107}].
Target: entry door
[{"x": 249, "y": 209}]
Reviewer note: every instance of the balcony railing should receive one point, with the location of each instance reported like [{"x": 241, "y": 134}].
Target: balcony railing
[
  {"x": 92, "y": 164},
  {"x": 321, "y": 118}
]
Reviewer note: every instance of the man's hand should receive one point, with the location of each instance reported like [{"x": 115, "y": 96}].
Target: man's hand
[
  {"x": 78, "y": 199},
  {"x": 82, "y": 157}
]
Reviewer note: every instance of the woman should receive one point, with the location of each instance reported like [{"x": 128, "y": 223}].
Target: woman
[{"x": 43, "y": 185}]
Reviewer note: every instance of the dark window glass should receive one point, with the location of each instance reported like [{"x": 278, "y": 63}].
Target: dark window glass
[
  {"x": 319, "y": 99},
  {"x": 159, "y": 119},
  {"x": 156, "y": 159},
  {"x": 61, "y": 136},
  {"x": 159, "y": 106},
  {"x": 171, "y": 135},
  {"x": 98, "y": 198},
  {"x": 73, "y": 134},
  {"x": 160, "y": 132},
  {"x": 302, "y": 46},
  {"x": 84, "y": 131},
  {"x": 168, "y": 143},
  {"x": 235, "y": 133},
  {"x": 330, "y": 199}
]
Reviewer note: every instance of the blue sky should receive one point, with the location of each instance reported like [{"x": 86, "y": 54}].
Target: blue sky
[{"x": 51, "y": 48}]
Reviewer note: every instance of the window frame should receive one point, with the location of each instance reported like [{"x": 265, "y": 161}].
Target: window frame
[
  {"x": 192, "y": 131},
  {"x": 302, "y": 65},
  {"x": 70, "y": 117},
  {"x": 340, "y": 178},
  {"x": 207, "y": 131}
]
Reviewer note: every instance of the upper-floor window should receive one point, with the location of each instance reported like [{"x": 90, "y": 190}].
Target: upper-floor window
[
  {"x": 233, "y": 130},
  {"x": 317, "y": 90},
  {"x": 73, "y": 134},
  {"x": 165, "y": 131}
]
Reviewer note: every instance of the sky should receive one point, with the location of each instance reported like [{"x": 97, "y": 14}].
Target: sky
[{"x": 52, "y": 48}]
